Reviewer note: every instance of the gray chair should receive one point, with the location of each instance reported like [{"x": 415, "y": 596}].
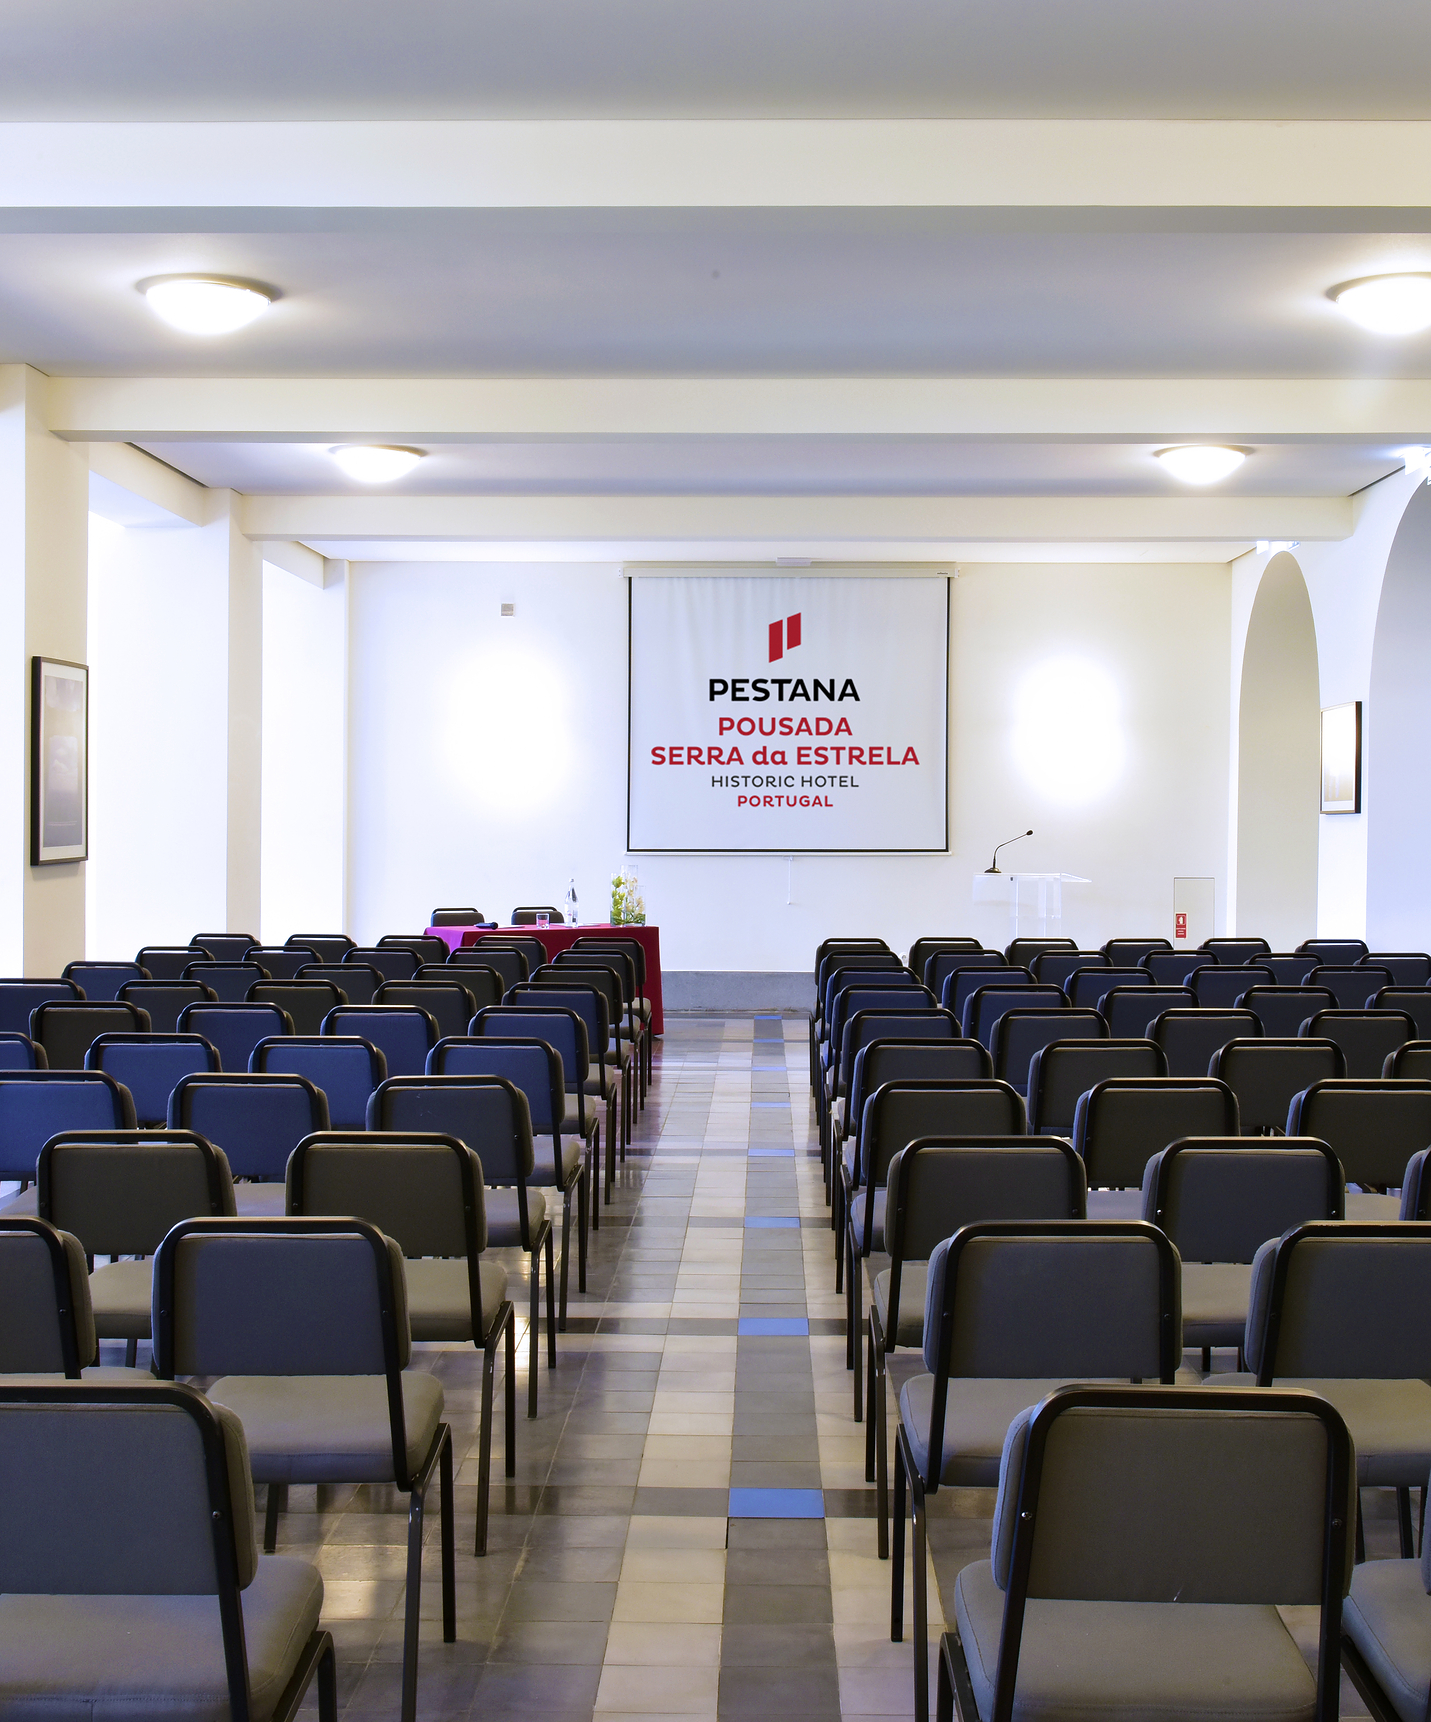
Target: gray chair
[
  {"x": 231, "y": 981},
  {"x": 1066, "y": 1069},
  {"x": 1014, "y": 1309},
  {"x": 451, "y": 1002},
  {"x": 508, "y": 965},
  {"x": 304, "y": 1325},
  {"x": 455, "y": 917},
  {"x": 1189, "y": 1038},
  {"x": 525, "y": 915},
  {"x": 305, "y": 999},
  {"x": 67, "y": 1029},
  {"x": 1414, "y": 1001},
  {"x": 282, "y": 961},
  {"x": 1144, "y": 1539},
  {"x": 1129, "y": 1010},
  {"x": 909, "y": 1053},
  {"x": 166, "y": 1001},
  {"x": 393, "y": 962},
  {"x": 331, "y": 947},
  {"x": 356, "y": 981},
  {"x": 1367, "y": 1037},
  {"x": 1120, "y": 1124},
  {"x": 1265, "y": 1075},
  {"x": 1219, "y": 1200},
  {"x": 1291, "y": 968},
  {"x": 936, "y": 1185},
  {"x": 1283, "y": 1010},
  {"x": 1374, "y": 1127},
  {"x": 1019, "y": 1034},
  {"x": 44, "y": 1290},
  {"x": 425, "y": 1192},
  {"x": 1406, "y": 968},
  {"x": 130, "y": 1581},
  {"x": 1410, "y": 1062},
  {"x": 1386, "y": 1629}
]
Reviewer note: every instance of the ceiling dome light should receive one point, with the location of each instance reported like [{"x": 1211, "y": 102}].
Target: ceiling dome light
[
  {"x": 1386, "y": 304},
  {"x": 372, "y": 465},
  {"x": 1201, "y": 463},
  {"x": 205, "y": 304}
]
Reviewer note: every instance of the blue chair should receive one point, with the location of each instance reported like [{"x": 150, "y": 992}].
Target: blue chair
[
  {"x": 987, "y": 1004},
  {"x": 165, "y": 1001},
  {"x": 1334, "y": 950},
  {"x": 1352, "y": 983},
  {"x": 1053, "y": 968},
  {"x": 393, "y": 962},
  {"x": 257, "y": 1120},
  {"x": 510, "y": 966},
  {"x": 38, "y": 1104},
  {"x": 65, "y": 1028},
  {"x": 427, "y": 947},
  {"x": 1129, "y": 1010},
  {"x": 306, "y": 1000},
  {"x": 235, "y": 1029},
  {"x": 1172, "y": 968},
  {"x": 225, "y": 947},
  {"x": 1132, "y": 951},
  {"x": 1406, "y": 968},
  {"x": 230, "y": 981},
  {"x": 168, "y": 962},
  {"x": 1291, "y": 970},
  {"x": 451, "y": 1002},
  {"x": 356, "y": 981},
  {"x": 344, "y": 1067},
  {"x": 331, "y": 947},
  {"x": 1283, "y": 1010},
  {"x": 1237, "y": 951},
  {"x": 102, "y": 981},
  {"x": 1415, "y": 1001},
  {"x": 1021, "y": 1033},
  {"x": 19, "y": 1052},
  {"x": 1086, "y": 986},
  {"x": 19, "y": 997},
  {"x": 961, "y": 984},
  {"x": 1218, "y": 986},
  {"x": 868, "y": 1028},
  {"x": 150, "y": 1065},
  {"x": 282, "y": 961},
  {"x": 606, "y": 1078},
  {"x": 405, "y": 1034}
]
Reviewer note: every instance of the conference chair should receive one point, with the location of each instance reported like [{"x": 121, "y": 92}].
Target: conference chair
[
  {"x": 1292, "y": 969},
  {"x": 1351, "y": 984},
  {"x": 66, "y": 1029},
  {"x": 1283, "y": 1010},
  {"x": 168, "y": 962},
  {"x": 1386, "y": 1626},
  {"x": 455, "y": 917},
  {"x": 100, "y": 982},
  {"x": 165, "y": 1001},
  {"x": 1237, "y": 952},
  {"x": 923, "y": 949},
  {"x": 1170, "y": 968},
  {"x": 529, "y": 945},
  {"x": 1064, "y": 1070},
  {"x": 1406, "y": 968},
  {"x": 356, "y": 981},
  {"x": 628, "y": 1027},
  {"x": 1132, "y": 951},
  {"x": 1086, "y": 987},
  {"x": 427, "y": 1194},
  {"x": 1144, "y": 1539},
  {"x": 1373, "y": 1126},
  {"x": 1219, "y": 1199},
  {"x": 985, "y": 1005},
  {"x": 225, "y": 947},
  {"x": 1367, "y": 1037},
  {"x": 235, "y": 1029},
  {"x": 19, "y": 1052},
  {"x": 306, "y": 1001},
  {"x": 44, "y": 1291},
  {"x": 935, "y": 1186},
  {"x": 131, "y": 1578},
  {"x": 839, "y": 1118},
  {"x": 427, "y": 948},
  {"x": 404, "y": 1034},
  {"x": 1414, "y": 1002},
  {"x": 19, "y": 998},
  {"x": 1411, "y": 1060},
  {"x": 526, "y": 915},
  {"x": 231, "y": 981},
  {"x": 1334, "y": 950},
  {"x": 283, "y": 961},
  {"x": 507, "y": 963},
  {"x": 622, "y": 1035},
  {"x": 601, "y": 1082},
  {"x": 393, "y": 962},
  {"x": 149, "y": 1065},
  {"x": 1053, "y": 968},
  {"x": 257, "y": 1120},
  {"x": 1266, "y": 1074},
  {"x": 915, "y": 1049},
  {"x": 304, "y": 1324},
  {"x": 872, "y": 970},
  {"x": 331, "y": 947},
  {"x": 1015, "y": 1309},
  {"x": 451, "y": 1003},
  {"x": 1019, "y": 1034},
  {"x": 823, "y": 949},
  {"x": 119, "y": 1193},
  {"x": 1120, "y": 1124},
  {"x": 345, "y": 1068},
  {"x": 1021, "y": 952},
  {"x": 490, "y": 1115},
  {"x": 900, "y": 995},
  {"x": 633, "y": 953},
  {"x": 1218, "y": 986},
  {"x": 942, "y": 964},
  {"x": 1189, "y": 1038},
  {"x": 38, "y": 1104},
  {"x": 1129, "y": 1010}
]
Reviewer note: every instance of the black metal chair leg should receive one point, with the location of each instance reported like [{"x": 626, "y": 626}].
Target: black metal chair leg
[
  {"x": 882, "y": 1472},
  {"x": 551, "y": 1304},
  {"x": 896, "y": 1571},
  {"x": 277, "y": 1503},
  {"x": 921, "y": 1604},
  {"x": 565, "y": 1251},
  {"x": 510, "y": 1394},
  {"x": 131, "y": 1353},
  {"x": 583, "y": 1220},
  {"x": 328, "y": 1685},
  {"x": 484, "y": 1448},
  {"x": 1403, "y": 1524},
  {"x": 533, "y": 1327},
  {"x": 413, "y": 1602},
  {"x": 447, "y": 1524},
  {"x": 871, "y": 1379}
]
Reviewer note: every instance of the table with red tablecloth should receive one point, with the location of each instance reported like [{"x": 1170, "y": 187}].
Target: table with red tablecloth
[{"x": 562, "y": 938}]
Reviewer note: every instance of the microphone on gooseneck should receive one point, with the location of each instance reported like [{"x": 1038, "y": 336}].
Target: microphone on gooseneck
[{"x": 993, "y": 866}]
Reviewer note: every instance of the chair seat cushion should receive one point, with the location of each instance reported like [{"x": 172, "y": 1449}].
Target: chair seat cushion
[
  {"x": 439, "y": 1296},
  {"x": 857, "y": 1220},
  {"x": 152, "y": 1658},
  {"x": 594, "y": 1084},
  {"x": 504, "y": 1231},
  {"x": 544, "y": 1171},
  {"x": 329, "y": 1428},
  {"x": 1215, "y": 1298},
  {"x": 253, "y": 1199},
  {"x": 1389, "y": 1423},
  {"x": 122, "y": 1295},
  {"x": 1196, "y": 1662},
  {"x": 1387, "y": 1617},
  {"x": 913, "y": 1281}
]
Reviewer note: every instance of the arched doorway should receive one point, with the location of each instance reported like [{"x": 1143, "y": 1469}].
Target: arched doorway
[
  {"x": 1398, "y": 743},
  {"x": 1278, "y": 763}
]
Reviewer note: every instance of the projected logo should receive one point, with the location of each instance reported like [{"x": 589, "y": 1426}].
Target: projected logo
[{"x": 784, "y": 637}]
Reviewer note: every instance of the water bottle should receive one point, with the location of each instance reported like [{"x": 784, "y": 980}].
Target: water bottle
[{"x": 571, "y": 902}]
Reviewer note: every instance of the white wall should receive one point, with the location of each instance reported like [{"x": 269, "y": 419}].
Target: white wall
[{"x": 488, "y": 759}]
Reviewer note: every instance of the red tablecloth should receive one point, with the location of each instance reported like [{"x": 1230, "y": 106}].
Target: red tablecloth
[{"x": 556, "y": 939}]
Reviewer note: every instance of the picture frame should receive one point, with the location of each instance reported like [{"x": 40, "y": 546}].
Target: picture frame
[
  {"x": 1341, "y": 758},
  {"x": 59, "y": 761}
]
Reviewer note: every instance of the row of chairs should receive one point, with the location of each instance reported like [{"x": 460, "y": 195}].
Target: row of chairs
[{"x": 1119, "y": 952}]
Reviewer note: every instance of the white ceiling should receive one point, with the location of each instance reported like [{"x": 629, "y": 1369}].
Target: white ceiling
[{"x": 158, "y": 59}]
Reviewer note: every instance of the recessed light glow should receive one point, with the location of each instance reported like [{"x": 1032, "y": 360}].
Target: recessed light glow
[
  {"x": 205, "y": 305},
  {"x": 1201, "y": 463},
  {"x": 1387, "y": 304},
  {"x": 371, "y": 465}
]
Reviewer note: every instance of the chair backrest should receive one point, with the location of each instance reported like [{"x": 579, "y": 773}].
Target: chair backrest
[
  {"x": 356, "y": 981},
  {"x": 1415, "y": 1002},
  {"x": 429, "y": 948},
  {"x": 528, "y": 944},
  {"x": 1367, "y": 1037},
  {"x": 824, "y": 948},
  {"x": 936, "y": 1185},
  {"x": 1406, "y": 968},
  {"x": 923, "y": 949},
  {"x": 1120, "y": 1124},
  {"x": 256, "y": 1120},
  {"x": 235, "y": 1029},
  {"x": 165, "y": 1001},
  {"x": 231, "y": 981},
  {"x": 1342, "y": 1299},
  {"x": 306, "y": 1001},
  {"x": 66, "y": 1029},
  {"x": 904, "y": 996},
  {"x": 19, "y": 1052},
  {"x": 38, "y": 1104},
  {"x": 510, "y": 966},
  {"x": 898, "y": 1113},
  {"x": 1220, "y": 1198},
  {"x": 1021, "y": 952},
  {"x": 486, "y": 1111},
  {"x": 425, "y": 1191},
  {"x": 1189, "y": 1038},
  {"x": 149, "y": 1065},
  {"x": 168, "y": 962},
  {"x": 100, "y": 982},
  {"x": 458, "y": 917},
  {"x": 1334, "y": 950},
  {"x": 584, "y": 1004},
  {"x": 119, "y": 1192},
  {"x": 604, "y": 981},
  {"x": 985, "y": 1005},
  {"x": 632, "y": 948},
  {"x": 1129, "y": 1010},
  {"x": 345, "y": 1068},
  {"x": 1086, "y": 987},
  {"x": 1170, "y": 968},
  {"x": 1352, "y": 984},
  {"x": 959, "y": 985},
  {"x": 451, "y": 1002},
  {"x": 1132, "y": 951},
  {"x": 562, "y": 1030},
  {"x": 941, "y": 964},
  {"x": 393, "y": 962},
  {"x": 1052, "y": 968},
  {"x": 526, "y": 915},
  {"x": 906, "y": 1054},
  {"x": 331, "y": 947},
  {"x": 1062, "y": 1071},
  {"x": 1265, "y": 1073},
  {"x": 1219, "y": 986},
  {"x": 1292, "y": 968},
  {"x": 1236, "y": 951},
  {"x": 620, "y": 963},
  {"x": 866, "y": 1027},
  {"x": 225, "y": 947},
  {"x": 604, "y": 970},
  {"x": 857, "y": 962},
  {"x": 44, "y": 1290},
  {"x": 18, "y": 998},
  {"x": 1020, "y": 1033},
  {"x": 1410, "y": 1061},
  {"x": 1374, "y": 1127},
  {"x": 283, "y": 961},
  {"x": 841, "y": 979},
  {"x": 1283, "y": 1010},
  {"x": 405, "y": 1034}
]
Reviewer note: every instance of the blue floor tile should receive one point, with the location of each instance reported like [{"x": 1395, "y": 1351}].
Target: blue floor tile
[
  {"x": 770, "y": 1153},
  {"x": 765, "y": 1221},
  {"x": 773, "y": 1326},
  {"x": 776, "y": 1504}
]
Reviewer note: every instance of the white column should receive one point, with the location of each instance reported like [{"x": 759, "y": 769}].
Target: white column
[{"x": 43, "y": 537}]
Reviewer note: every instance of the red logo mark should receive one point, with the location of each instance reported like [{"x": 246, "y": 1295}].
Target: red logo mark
[{"x": 784, "y": 636}]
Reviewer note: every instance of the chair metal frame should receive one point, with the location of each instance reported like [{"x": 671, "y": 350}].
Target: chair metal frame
[{"x": 49, "y": 1236}]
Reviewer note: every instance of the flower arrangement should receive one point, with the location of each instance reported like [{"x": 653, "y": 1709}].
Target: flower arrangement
[{"x": 628, "y": 906}]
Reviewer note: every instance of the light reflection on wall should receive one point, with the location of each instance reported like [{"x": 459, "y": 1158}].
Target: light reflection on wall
[
  {"x": 509, "y": 731},
  {"x": 1068, "y": 739}
]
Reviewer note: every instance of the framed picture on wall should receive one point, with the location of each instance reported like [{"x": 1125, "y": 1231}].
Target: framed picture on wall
[
  {"x": 59, "y": 761},
  {"x": 1341, "y": 758}
]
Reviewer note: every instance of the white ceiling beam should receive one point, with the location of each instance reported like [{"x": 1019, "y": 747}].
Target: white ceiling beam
[
  {"x": 131, "y": 470},
  {"x": 505, "y": 164}
]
